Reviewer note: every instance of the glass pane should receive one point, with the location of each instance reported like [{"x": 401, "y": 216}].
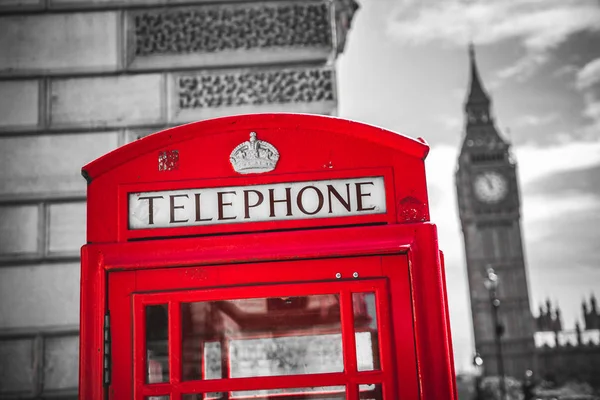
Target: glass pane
[
  {"x": 318, "y": 392},
  {"x": 365, "y": 327},
  {"x": 157, "y": 343},
  {"x": 166, "y": 397},
  {"x": 370, "y": 392},
  {"x": 262, "y": 337}
]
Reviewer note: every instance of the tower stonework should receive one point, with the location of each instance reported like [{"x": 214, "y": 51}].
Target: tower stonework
[
  {"x": 489, "y": 209},
  {"x": 79, "y": 78}
]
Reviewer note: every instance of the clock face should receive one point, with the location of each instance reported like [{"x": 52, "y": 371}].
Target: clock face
[{"x": 490, "y": 187}]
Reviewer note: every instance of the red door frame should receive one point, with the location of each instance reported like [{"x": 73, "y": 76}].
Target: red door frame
[
  {"x": 431, "y": 348},
  {"x": 349, "y": 377}
]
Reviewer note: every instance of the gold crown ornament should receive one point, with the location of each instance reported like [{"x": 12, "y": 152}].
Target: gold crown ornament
[{"x": 254, "y": 156}]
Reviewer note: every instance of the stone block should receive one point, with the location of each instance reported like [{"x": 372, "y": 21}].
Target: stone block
[
  {"x": 21, "y": 4},
  {"x": 107, "y": 101},
  {"x": 202, "y": 95},
  {"x": 19, "y": 104},
  {"x": 41, "y": 295},
  {"x": 61, "y": 362},
  {"x": 16, "y": 366},
  {"x": 232, "y": 34},
  {"x": 133, "y": 134},
  {"x": 66, "y": 232},
  {"x": 18, "y": 230},
  {"x": 59, "y": 43},
  {"x": 49, "y": 163}
]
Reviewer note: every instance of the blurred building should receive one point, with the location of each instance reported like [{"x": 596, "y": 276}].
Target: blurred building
[
  {"x": 489, "y": 207},
  {"x": 568, "y": 355},
  {"x": 79, "y": 78}
]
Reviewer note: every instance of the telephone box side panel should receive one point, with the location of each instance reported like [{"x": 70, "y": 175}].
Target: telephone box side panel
[
  {"x": 403, "y": 350},
  {"x": 432, "y": 329},
  {"x": 449, "y": 338},
  {"x": 91, "y": 336},
  {"x": 102, "y": 212}
]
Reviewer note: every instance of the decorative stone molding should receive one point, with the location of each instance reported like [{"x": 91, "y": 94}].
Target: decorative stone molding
[
  {"x": 222, "y": 92},
  {"x": 255, "y": 88},
  {"x": 209, "y": 29},
  {"x": 230, "y": 34}
]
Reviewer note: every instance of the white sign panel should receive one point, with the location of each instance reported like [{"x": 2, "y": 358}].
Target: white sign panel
[{"x": 271, "y": 202}]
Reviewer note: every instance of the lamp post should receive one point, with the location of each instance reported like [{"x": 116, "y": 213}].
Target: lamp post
[
  {"x": 491, "y": 284},
  {"x": 478, "y": 364}
]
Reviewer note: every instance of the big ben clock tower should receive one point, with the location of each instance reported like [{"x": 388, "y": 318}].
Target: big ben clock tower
[{"x": 489, "y": 209}]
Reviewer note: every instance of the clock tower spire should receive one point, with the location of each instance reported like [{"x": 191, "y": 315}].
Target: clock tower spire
[
  {"x": 477, "y": 96},
  {"x": 489, "y": 209}
]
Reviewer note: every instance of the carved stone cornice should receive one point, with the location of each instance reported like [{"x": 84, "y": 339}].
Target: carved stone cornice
[
  {"x": 208, "y": 94},
  {"x": 230, "y": 34},
  {"x": 344, "y": 14},
  {"x": 255, "y": 88}
]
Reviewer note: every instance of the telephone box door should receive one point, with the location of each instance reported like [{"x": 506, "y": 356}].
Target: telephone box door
[{"x": 313, "y": 329}]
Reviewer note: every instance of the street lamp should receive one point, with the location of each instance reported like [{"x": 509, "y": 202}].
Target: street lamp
[
  {"x": 491, "y": 284},
  {"x": 478, "y": 364}
]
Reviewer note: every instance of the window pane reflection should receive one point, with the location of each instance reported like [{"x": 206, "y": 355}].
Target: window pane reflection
[
  {"x": 157, "y": 343},
  {"x": 365, "y": 326},
  {"x": 370, "y": 392},
  {"x": 261, "y": 337},
  {"x": 320, "y": 392}
]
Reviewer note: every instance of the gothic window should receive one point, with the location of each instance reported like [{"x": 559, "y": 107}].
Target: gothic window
[{"x": 471, "y": 116}]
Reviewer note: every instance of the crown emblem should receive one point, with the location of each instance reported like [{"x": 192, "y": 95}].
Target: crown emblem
[{"x": 254, "y": 156}]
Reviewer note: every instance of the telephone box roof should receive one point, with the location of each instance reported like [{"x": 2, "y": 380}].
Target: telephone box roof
[{"x": 289, "y": 122}]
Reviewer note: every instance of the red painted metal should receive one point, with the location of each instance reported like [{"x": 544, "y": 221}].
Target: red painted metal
[{"x": 394, "y": 254}]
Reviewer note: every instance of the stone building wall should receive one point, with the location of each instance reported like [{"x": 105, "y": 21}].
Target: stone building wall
[{"x": 78, "y": 78}]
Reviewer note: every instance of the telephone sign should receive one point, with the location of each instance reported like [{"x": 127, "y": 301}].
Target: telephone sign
[{"x": 267, "y": 256}]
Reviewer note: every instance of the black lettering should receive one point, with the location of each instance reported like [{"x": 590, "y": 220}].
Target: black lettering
[
  {"x": 150, "y": 207},
  {"x": 301, "y": 205},
  {"x": 198, "y": 215},
  {"x": 360, "y": 195},
  {"x": 345, "y": 203},
  {"x": 221, "y": 205},
  {"x": 247, "y": 205},
  {"x": 174, "y": 207},
  {"x": 287, "y": 200}
]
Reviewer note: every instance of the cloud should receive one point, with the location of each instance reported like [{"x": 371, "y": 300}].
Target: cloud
[
  {"x": 587, "y": 82},
  {"x": 523, "y": 68},
  {"x": 540, "y": 25},
  {"x": 592, "y": 110},
  {"x": 565, "y": 70},
  {"x": 536, "y": 120},
  {"x": 589, "y": 75},
  {"x": 451, "y": 122},
  {"x": 541, "y": 162}
]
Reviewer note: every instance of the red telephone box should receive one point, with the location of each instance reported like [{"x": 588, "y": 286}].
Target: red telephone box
[{"x": 273, "y": 256}]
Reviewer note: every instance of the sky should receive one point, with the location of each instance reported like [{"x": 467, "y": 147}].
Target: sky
[{"x": 405, "y": 68}]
